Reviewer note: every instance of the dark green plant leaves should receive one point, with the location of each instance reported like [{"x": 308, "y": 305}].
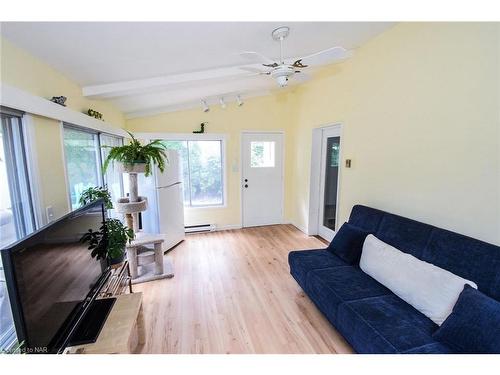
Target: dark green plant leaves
[
  {"x": 150, "y": 154},
  {"x": 109, "y": 242},
  {"x": 94, "y": 193}
]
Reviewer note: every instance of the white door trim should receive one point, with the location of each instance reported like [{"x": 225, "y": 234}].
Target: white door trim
[
  {"x": 315, "y": 175},
  {"x": 282, "y": 133}
]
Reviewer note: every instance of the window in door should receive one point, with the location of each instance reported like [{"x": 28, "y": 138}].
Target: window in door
[
  {"x": 202, "y": 165},
  {"x": 331, "y": 182},
  {"x": 262, "y": 154}
]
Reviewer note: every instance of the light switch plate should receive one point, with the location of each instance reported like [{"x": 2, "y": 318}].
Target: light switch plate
[{"x": 50, "y": 213}]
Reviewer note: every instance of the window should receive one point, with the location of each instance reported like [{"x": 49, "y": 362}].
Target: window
[
  {"x": 81, "y": 149},
  {"x": 262, "y": 154},
  {"x": 84, "y": 157},
  {"x": 202, "y": 171},
  {"x": 16, "y": 213},
  {"x": 113, "y": 176}
]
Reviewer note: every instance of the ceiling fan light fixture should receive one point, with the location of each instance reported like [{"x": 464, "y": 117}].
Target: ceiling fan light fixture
[
  {"x": 239, "y": 101},
  {"x": 205, "y": 106},
  {"x": 282, "y": 81},
  {"x": 282, "y": 73}
]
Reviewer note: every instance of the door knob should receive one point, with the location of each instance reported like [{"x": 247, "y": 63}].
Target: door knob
[
  {"x": 246, "y": 185},
  {"x": 246, "y": 179}
]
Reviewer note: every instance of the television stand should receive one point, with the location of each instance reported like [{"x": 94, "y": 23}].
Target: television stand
[{"x": 123, "y": 331}]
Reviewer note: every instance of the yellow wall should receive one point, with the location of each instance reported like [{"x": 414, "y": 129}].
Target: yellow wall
[
  {"x": 420, "y": 112},
  {"x": 264, "y": 113},
  {"x": 20, "y": 69}
]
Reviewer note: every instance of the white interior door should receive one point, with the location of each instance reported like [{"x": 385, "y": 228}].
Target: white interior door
[
  {"x": 329, "y": 182},
  {"x": 262, "y": 178}
]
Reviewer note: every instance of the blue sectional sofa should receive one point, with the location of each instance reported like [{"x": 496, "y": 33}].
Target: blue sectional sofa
[{"x": 370, "y": 317}]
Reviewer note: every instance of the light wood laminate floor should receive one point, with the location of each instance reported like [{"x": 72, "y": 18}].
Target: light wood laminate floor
[{"x": 233, "y": 293}]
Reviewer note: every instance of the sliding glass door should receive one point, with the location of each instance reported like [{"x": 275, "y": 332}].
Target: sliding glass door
[
  {"x": 16, "y": 209},
  {"x": 84, "y": 157}
]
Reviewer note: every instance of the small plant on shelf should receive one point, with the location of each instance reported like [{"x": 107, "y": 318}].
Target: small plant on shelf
[
  {"x": 94, "y": 193},
  {"x": 136, "y": 153},
  {"x": 109, "y": 241}
]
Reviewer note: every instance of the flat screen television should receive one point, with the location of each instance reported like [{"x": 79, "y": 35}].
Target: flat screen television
[{"x": 52, "y": 280}]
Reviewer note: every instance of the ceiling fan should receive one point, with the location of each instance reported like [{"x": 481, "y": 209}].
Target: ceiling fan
[{"x": 281, "y": 71}]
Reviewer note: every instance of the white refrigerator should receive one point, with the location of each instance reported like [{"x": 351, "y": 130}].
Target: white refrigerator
[{"x": 165, "y": 213}]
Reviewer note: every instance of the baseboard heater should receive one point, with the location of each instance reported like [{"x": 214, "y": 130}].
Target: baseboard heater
[{"x": 200, "y": 228}]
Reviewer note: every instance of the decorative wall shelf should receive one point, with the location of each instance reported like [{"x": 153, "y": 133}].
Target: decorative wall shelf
[{"x": 16, "y": 98}]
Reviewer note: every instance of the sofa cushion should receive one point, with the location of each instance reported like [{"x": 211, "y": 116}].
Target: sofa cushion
[
  {"x": 366, "y": 218},
  {"x": 430, "y": 289},
  {"x": 474, "y": 324},
  {"x": 407, "y": 235},
  {"x": 303, "y": 261},
  {"x": 467, "y": 257},
  {"x": 384, "y": 324},
  {"x": 329, "y": 287},
  {"x": 348, "y": 243}
]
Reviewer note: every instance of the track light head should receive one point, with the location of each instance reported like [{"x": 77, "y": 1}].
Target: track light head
[
  {"x": 205, "y": 107},
  {"x": 239, "y": 101},
  {"x": 222, "y": 103}
]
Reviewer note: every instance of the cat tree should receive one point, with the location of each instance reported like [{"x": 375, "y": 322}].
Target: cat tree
[{"x": 146, "y": 264}]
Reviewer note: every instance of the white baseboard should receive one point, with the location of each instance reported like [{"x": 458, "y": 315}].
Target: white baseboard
[
  {"x": 299, "y": 227},
  {"x": 228, "y": 227},
  {"x": 239, "y": 226}
]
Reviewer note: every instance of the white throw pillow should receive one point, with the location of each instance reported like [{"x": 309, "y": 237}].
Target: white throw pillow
[{"x": 430, "y": 289}]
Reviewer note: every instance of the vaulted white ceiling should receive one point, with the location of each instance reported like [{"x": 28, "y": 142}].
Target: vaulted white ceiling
[{"x": 159, "y": 66}]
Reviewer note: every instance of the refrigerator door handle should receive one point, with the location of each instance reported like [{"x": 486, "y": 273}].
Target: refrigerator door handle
[{"x": 167, "y": 186}]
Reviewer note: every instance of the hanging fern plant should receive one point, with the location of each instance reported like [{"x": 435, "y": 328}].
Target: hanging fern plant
[{"x": 137, "y": 153}]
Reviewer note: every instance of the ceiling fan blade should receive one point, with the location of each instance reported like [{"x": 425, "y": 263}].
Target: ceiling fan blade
[
  {"x": 323, "y": 57},
  {"x": 252, "y": 69},
  {"x": 256, "y": 57}
]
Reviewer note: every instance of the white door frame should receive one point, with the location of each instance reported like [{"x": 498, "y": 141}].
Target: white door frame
[
  {"x": 315, "y": 187},
  {"x": 282, "y": 133}
]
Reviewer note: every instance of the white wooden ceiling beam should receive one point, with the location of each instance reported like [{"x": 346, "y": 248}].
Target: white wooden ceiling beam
[{"x": 126, "y": 88}]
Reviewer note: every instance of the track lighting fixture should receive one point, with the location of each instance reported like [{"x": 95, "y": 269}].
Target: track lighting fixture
[
  {"x": 205, "y": 106},
  {"x": 222, "y": 103},
  {"x": 239, "y": 101}
]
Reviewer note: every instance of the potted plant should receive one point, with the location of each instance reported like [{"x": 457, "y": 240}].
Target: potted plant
[
  {"x": 94, "y": 193},
  {"x": 109, "y": 241},
  {"x": 136, "y": 157}
]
